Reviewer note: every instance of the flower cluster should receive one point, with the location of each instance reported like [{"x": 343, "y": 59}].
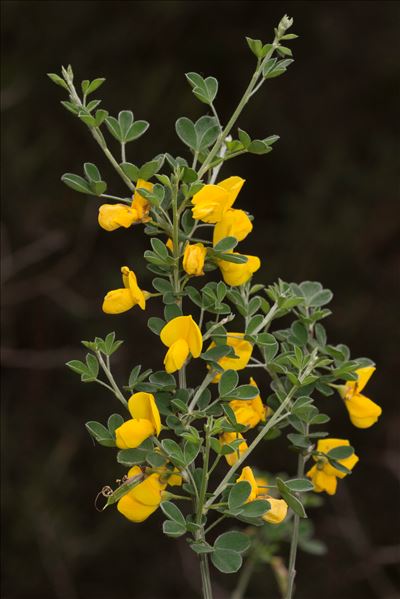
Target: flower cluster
[{"x": 195, "y": 420}]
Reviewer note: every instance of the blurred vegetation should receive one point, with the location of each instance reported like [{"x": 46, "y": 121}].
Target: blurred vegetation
[{"x": 326, "y": 208}]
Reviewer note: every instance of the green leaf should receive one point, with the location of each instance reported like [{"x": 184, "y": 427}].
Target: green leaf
[
  {"x": 256, "y": 46},
  {"x": 301, "y": 485},
  {"x": 95, "y": 84},
  {"x": 114, "y": 127},
  {"x": 136, "y": 130},
  {"x": 173, "y": 512},
  {"x": 58, "y": 80},
  {"x": 204, "y": 89},
  {"x": 226, "y": 560},
  {"x": 131, "y": 170},
  {"x": 186, "y": 132},
  {"x": 114, "y": 422},
  {"x": 76, "y": 183},
  {"x": 149, "y": 169},
  {"x": 255, "y": 509},
  {"x": 100, "y": 433},
  {"x": 228, "y": 381},
  {"x": 233, "y": 540},
  {"x": 173, "y": 529},
  {"x": 340, "y": 453},
  {"x": 226, "y": 244},
  {"x": 155, "y": 324},
  {"x": 91, "y": 171},
  {"x": 125, "y": 120},
  {"x": 293, "y": 502},
  {"x": 238, "y": 495},
  {"x": 244, "y": 392},
  {"x": 77, "y": 366},
  {"x": 93, "y": 365}
]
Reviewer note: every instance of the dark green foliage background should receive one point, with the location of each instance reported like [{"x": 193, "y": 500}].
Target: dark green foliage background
[{"x": 326, "y": 208}]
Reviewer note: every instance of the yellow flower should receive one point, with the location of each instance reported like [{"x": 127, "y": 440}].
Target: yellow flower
[
  {"x": 139, "y": 203},
  {"x": 248, "y": 476},
  {"x": 144, "y": 423},
  {"x": 170, "y": 244},
  {"x": 238, "y": 274},
  {"x": 212, "y": 201},
  {"x": 193, "y": 259},
  {"x": 121, "y": 300},
  {"x": 277, "y": 513},
  {"x": 323, "y": 475},
  {"x": 141, "y": 501},
  {"x": 249, "y": 412},
  {"x": 234, "y": 223},
  {"x": 226, "y": 439},
  {"x": 173, "y": 478},
  {"x": 242, "y": 349},
  {"x": 363, "y": 411},
  {"x": 183, "y": 336},
  {"x": 113, "y": 216}
]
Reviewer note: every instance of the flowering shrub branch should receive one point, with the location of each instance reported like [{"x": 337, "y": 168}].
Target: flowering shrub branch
[{"x": 174, "y": 435}]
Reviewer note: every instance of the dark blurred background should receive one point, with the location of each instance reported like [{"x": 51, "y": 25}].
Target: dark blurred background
[{"x": 326, "y": 208}]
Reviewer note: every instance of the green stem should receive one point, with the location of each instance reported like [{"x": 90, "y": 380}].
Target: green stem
[
  {"x": 115, "y": 388},
  {"x": 295, "y": 532},
  {"x": 270, "y": 423},
  {"x": 98, "y": 136},
  {"x": 245, "y": 98},
  {"x": 204, "y": 568}
]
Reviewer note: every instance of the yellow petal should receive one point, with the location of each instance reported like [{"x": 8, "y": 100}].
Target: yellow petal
[
  {"x": 113, "y": 216},
  {"x": 248, "y": 476},
  {"x": 262, "y": 485},
  {"x": 322, "y": 481},
  {"x": 278, "y": 510},
  {"x": 149, "y": 491},
  {"x": 232, "y": 185},
  {"x": 133, "y": 432},
  {"x": 363, "y": 411},
  {"x": 143, "y": 405},
  {"x": 238, "y": 274},
  {"x": 242, "y": 349},
  {"x": 118, "y": 301},
  {"x": 130, "y": 282},
  {"x": 234, "y": 223},
  {"x": 210, "y": 203},
  {"x": 139, "y": 203},
  {"x": 134, "y": 510},
  {"x": 193, "y": 259},
  {"x": 183, "y": 327},
  {"x": 364, "y": 374},
  {"x": 226, "y": 439},
  {"x": 176, "y": 356}
]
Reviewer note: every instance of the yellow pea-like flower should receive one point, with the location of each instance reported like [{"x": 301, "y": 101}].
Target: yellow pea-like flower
[
  {"x": 248, "y": 476},
  {"x": 237, "y": 274},
  {"x": 278, "y": 510},
  {"x": 363, "y": 411},
  {"x": 121, "y": 300},
  {"x": 139, "y": 203},
  {"x": 212, "y": 201},
  {"x": 193, "y": 259},
  {"x": 249, "y": 412},
  {"x": 145, "y": 421},
  {"x": 243, "y": 350},
  {"x": 234, "y": 223},
  {"x": 141, "y": 501},
  {"x": 114, "y": 216},
  {"x": 226, "y": 439},
  {"x": 323, "y": 475},
  {"x": 183, "y": 337}
]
